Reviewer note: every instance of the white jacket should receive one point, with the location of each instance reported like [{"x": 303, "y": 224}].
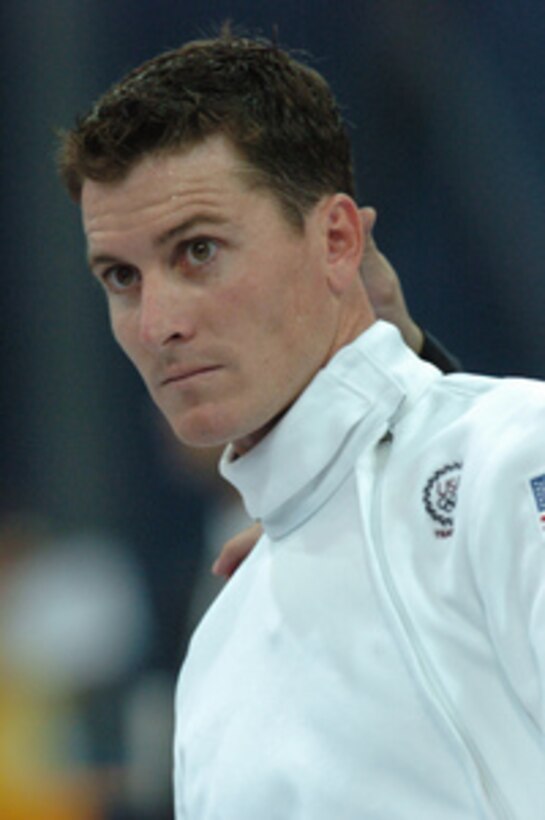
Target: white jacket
[{"x": 381, "y": 654}]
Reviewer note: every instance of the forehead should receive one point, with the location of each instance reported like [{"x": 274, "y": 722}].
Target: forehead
[{"x": 206, "y": 175}]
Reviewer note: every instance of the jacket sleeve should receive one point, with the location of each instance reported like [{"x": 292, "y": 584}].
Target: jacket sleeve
[
  {"x": 506, "y": 476},
  {"x": 434, "y": 352}
]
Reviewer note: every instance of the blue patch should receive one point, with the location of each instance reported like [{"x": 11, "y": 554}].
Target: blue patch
[{"x": 538, "y": 489}]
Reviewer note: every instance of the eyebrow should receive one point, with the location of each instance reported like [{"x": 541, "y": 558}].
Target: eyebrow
[
  {"x": 185, "y": 227},
  {"x": 163, "y": 239}
]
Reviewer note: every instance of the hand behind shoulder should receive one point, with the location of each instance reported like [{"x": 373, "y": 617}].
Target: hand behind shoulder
[
  {"x": 235, "y": 551},
  {"x": 383, "y": 286}
]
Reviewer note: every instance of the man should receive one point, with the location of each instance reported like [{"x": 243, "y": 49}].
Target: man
[{"x": 380, "y": 653}]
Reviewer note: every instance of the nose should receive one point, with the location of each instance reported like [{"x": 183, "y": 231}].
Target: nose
[{"x": 165, "y": 313}]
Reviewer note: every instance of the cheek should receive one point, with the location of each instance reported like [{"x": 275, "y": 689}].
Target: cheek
[
  {"x": 119, "y": 328},
  {"x": 125, "y": 333},
  {"x": 258, "y": 302}
]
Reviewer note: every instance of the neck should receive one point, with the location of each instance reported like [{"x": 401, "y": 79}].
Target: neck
[{"x": 350, "y": 331}]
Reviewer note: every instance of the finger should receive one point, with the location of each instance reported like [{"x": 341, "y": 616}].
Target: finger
[
  {"x": 235, "y": 551},
  {"x": 368, "y": 218}
]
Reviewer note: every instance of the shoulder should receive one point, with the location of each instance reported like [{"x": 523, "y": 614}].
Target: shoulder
[
  {"x": 508, "y": 427},
  {"x": 515, "y": 398},
  {"x": 510, "y": 407}
]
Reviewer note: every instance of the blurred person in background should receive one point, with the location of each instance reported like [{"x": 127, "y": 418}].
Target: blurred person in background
[{"x": 74, "y": 628}]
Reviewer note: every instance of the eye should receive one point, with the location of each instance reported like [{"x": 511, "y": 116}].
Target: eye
[
  {"x": 200, "y": 251},
  {"x": 120, "y": 278}
]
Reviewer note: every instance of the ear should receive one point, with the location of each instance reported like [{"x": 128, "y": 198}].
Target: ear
[{"x": 345, "y": 241}]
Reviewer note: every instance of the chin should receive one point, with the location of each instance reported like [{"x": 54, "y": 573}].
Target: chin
[
  {"x": 211, "y": 426},
  {"x": 200, "y": 438},
  {"x": 199, "y": 430}
]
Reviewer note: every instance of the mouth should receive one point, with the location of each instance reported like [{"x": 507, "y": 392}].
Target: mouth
[{"x": 184, "y": 376}]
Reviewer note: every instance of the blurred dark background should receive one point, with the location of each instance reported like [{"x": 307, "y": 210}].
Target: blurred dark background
[{"x": 445, "y": 101}]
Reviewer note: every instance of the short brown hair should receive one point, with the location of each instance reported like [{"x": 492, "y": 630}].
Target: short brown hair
[{"x": 279, "y": 114}]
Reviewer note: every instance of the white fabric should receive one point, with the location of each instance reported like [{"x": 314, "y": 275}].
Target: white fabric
[{"x": 381, "y": 653}]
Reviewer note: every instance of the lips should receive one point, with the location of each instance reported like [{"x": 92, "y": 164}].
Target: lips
[{"x": 187, "y": 373}]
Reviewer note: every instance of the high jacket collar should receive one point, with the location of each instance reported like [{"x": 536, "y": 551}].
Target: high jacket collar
[{"x": 349, "y": 406}]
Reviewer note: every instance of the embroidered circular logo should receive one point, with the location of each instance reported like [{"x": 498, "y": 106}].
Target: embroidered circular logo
[{"x": 441, "y": 493}]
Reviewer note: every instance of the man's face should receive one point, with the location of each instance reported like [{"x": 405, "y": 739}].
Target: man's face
[{"x": 222, "y": 306}]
